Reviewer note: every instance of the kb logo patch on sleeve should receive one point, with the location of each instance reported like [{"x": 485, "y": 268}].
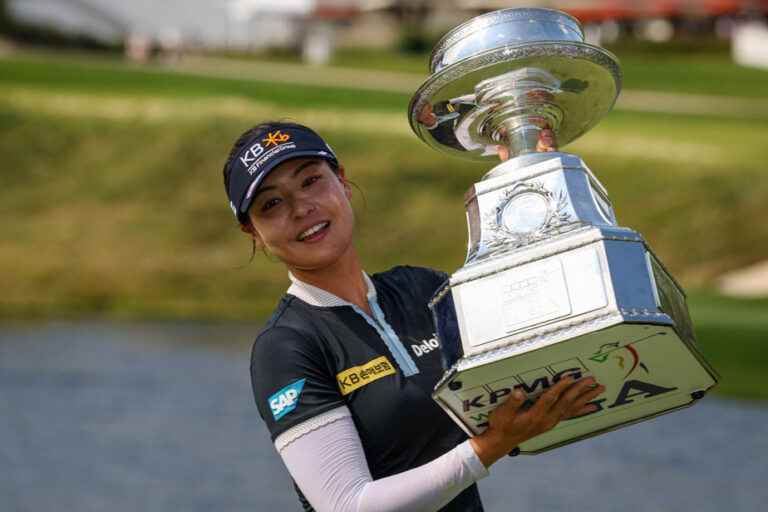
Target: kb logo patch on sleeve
[
  {"x": 286, "y": 400},
  {"x": 358, "y": 376}
]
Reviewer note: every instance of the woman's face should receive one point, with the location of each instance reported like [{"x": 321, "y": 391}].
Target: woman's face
[{"x": 302, "y": 214}]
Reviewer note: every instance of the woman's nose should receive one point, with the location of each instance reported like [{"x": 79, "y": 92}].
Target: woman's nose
[{"x": 303, "y": 208}]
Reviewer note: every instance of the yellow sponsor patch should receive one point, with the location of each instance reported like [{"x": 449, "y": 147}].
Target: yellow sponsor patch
[{"x": 358, "y": 376}]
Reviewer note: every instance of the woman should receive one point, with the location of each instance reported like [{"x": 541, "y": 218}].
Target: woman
[{"x": 337, "y": 372}]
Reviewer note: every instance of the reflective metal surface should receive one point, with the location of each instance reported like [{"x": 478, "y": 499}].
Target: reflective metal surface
[
  {"x": 541, "y": 297},
  {"x": 594, "y": 301},
  {"x": 499, "y": 29},
  {"x": 551, "y": 284},
  {"x": 527, "y": 200},
  {"x": 503, "y": 77}
]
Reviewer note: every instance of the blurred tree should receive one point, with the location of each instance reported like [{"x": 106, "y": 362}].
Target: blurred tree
[
  {"x": 4, "y": 17},
  {"x": 412, "y": 16}
]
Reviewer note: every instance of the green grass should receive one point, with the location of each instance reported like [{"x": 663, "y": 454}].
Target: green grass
[
  {"x": 732, "y": 334},
  {"x": 667, "y": 68},
  {"x": 676, "y": 179},
  {"x": 715, "y": 74},
  {"x": 679, "y": 68},
  {"x": 694, "y": 195},
  {"x": 107, "y": 77},
  {"x": 113, "y": 206}
]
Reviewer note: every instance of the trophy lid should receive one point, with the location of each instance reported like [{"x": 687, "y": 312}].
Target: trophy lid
[
  {"x": 503, "y": 77},
  {"x": 503, "y": 28}
]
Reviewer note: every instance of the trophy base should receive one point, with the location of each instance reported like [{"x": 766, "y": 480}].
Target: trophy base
[
  {"x": 647, "y": 370},
  {"x": 590, "y": 302}
]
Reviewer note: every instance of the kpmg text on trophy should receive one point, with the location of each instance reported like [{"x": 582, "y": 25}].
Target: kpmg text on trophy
[{"x": 551, "y": 285}]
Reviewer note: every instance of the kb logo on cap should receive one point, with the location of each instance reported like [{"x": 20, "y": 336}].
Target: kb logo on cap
[
  {"x": 275, "y": 138},
  {"x": 255, "y": 151}
]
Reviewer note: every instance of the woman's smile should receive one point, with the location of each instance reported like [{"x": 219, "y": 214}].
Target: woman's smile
[
  {"x": 304, "y": 201},
  {"x": 315, "y": 233}
]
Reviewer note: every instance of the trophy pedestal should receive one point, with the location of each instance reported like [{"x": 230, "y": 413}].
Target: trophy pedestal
[
  {"x": 594, "y": 302},
  {"x": 570, "y": 293}
]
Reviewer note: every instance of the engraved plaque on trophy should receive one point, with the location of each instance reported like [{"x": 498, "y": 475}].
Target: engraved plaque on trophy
[{"x": 552, "y": 285}]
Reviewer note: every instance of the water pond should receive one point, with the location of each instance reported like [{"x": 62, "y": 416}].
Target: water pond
[{"x": 159, "y": 417}]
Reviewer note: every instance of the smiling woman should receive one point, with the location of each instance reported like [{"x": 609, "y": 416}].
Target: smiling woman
[
  {"x": 340, "y": 373},
  {"x": 306, "y": 202}
]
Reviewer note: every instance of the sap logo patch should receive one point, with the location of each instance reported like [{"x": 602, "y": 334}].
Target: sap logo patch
[{"x": 286, "y": 400}]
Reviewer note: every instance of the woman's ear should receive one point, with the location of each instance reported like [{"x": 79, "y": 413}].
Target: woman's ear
[
  {"x": 342, "y": 176},
  {"x": 249, "y": 230}
]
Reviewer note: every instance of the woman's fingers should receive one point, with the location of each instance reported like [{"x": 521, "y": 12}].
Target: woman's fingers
[
  {"x": 549, "y": 398},
  {"x": 511, "y": 407},
  {"x": 566, "y": 399},
  {"x": 574, "y": 400},
  {"x": 580, "y": 406},
  {"x": 516, "y": 400},
  {"x": 573, "y": 393},
  {"x": 589, "y": 408},
  {"x": 512, "y": 424}
]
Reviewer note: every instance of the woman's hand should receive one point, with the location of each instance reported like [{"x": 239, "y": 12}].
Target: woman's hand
[
  {"x": 545, "y": 144},
  {"x": 427, "y": 117},
  {"x": 510, "y": 424},
  {"x": 546, "y": 141}
]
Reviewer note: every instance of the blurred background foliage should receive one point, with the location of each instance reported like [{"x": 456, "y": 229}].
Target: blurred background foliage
[{"x": 112, "y": 201}]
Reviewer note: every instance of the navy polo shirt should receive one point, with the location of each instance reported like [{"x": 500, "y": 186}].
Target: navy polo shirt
[{"x": 311, "y": 359}]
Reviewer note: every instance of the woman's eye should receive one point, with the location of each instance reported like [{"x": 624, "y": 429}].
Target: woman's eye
[
  {"x": 311, "y": 179},
  {"x": 270, "y": 203}
]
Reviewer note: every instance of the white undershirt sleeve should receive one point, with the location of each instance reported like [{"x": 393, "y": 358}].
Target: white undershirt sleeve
[{"x": 326, "y": 460}]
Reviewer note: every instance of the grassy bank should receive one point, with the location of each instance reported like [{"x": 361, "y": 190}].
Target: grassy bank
[
  {"x": 105, "y": 77},
  {"x": 112, "y": 199},
  {"x": 667, "y": 68},
  {"x": 732, "y": 334}
]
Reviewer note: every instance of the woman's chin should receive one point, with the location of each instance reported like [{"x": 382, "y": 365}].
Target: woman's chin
[{"x": 310, "y": 262}]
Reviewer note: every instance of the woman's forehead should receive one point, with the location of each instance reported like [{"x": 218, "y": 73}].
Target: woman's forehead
[{"x": 290, "y": 169}]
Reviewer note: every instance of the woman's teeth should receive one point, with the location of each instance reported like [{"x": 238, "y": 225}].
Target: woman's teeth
[{"x": 314, "y": 229}]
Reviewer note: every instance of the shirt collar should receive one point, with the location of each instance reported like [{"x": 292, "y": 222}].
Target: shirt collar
[{"x": 318, "y": 297}]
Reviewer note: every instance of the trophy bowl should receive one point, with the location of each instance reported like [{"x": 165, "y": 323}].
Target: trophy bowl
[
  {"x": 551, "y": 285},
  {"x": 500, "y": 78}
]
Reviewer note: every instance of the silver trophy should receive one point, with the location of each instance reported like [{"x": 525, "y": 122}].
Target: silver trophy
[{"x": 551, "y": 286}]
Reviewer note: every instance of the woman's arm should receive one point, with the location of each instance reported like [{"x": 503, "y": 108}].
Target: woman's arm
[
  {"x": 329, "y": 466},
  {"x": 326, "y": 459}
]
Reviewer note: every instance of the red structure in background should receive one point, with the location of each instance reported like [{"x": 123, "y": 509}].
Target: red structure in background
[
  {"x": 603, "y": 10},
  {"x": 334, "y": 11}
]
